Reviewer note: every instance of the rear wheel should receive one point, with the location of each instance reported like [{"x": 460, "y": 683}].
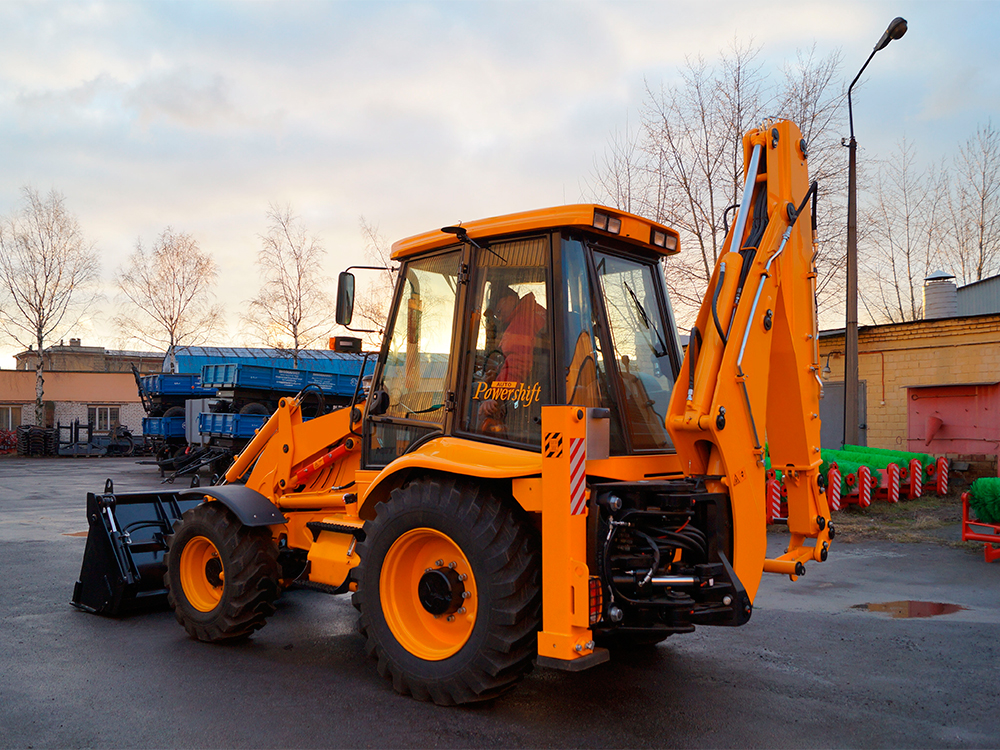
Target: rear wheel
[
  {"x": 222, "y": 577},
  {"x": 449, "y": 591}
]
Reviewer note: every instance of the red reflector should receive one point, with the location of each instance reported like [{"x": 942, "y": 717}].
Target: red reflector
[{"x": 596, "y": 600}]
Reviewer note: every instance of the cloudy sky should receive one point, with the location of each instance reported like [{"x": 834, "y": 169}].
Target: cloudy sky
[{"x": 414, "y": 115}]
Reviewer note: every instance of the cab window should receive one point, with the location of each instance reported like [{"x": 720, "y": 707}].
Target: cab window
[
  {"x": 641, "y": 346},
  {"x": 414, "y": 375},
  {"x": 508, "y": 362}
]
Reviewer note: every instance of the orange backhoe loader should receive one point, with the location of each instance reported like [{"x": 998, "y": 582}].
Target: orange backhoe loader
[{"x": 534, "y": 473}]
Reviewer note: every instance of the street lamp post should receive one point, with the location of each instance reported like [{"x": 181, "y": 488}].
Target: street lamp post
[{"x": 896, "y": 29}]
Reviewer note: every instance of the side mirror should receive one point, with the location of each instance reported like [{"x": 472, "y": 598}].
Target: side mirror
[{"x": 345, "y": 298}]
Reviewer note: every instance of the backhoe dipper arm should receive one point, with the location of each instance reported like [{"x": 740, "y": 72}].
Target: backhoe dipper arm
[{"x": 752, "y": 372}]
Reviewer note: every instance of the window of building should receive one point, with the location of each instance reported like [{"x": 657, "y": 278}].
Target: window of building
[
  {"x": 10, "y": 417},
  {"x": 103, "y": 418}
]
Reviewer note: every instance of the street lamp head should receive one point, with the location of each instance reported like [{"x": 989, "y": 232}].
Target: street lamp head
[{"x": 896, "y": 30}]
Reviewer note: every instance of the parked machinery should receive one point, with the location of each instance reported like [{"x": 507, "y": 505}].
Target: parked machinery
[{"x": 523, "y": 482}]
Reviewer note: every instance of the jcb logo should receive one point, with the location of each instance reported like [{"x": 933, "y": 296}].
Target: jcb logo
[{"x": 553, "y": 445}]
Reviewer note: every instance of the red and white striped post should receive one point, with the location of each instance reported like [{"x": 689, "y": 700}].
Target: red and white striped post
[
  {"x": 892, "y": 488},
  {"x": 864, "y": 486},
  {"x": 941, "y": 475},
  {"x": 833, "y": 487},
  {"x": 916, "y": 479}
]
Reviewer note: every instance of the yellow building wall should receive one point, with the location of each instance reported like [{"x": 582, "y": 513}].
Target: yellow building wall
[{"x": 950, "y": 351}]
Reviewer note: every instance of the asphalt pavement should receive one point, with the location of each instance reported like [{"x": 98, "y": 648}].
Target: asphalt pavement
[{"x": 814, "y": 667}]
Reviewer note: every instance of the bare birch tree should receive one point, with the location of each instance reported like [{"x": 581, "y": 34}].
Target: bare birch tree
[
  {"x": 975, "y": 207},
  {"x": 292, "y": 310},
  {"x": 811, "y": 98},
  {"x": 166, "y": 298},
  {"x": 907, "y": 218},
  {"x": 47, "y": 269},
  {"x": 371, "y": 303},
  {"x": 684, "y": 166}
]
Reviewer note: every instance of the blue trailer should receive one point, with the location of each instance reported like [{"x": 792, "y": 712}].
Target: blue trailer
[
  {"x": 187, "y": 385},
  {"x": 236, "y": 426},
  {"x": 243, "y": 386},
  {"x": 231, "y": 377},
  {"x": 163, "y": 427}
]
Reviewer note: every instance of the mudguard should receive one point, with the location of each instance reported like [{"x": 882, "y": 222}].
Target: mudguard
[{"x": 251, "y": 507}]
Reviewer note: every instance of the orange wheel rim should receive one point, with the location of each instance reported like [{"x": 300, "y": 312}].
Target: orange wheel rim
[
  {"x": 421, "y": 633},
  {"x": 202, "y": 574}
]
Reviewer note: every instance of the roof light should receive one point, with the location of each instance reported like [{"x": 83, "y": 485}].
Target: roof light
[
  {"x": 659, "y": 238},
  {"x": 607, "y": 222}
]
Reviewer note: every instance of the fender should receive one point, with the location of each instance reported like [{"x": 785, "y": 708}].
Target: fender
[
  {"x": 453, "y": 455},
  {"x": 251, "y": 507}
]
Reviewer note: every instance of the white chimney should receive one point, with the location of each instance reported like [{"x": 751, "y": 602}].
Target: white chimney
[{"x": 940, "y": 296}]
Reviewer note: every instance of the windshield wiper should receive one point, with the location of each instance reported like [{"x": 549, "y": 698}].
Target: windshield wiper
[{"x": 662, "y": 350}]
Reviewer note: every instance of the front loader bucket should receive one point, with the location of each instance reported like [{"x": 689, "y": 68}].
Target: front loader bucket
[{"x": 123, "y": 562}]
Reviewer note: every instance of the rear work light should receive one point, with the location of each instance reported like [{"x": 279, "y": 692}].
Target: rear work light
[
  {"x": 608, "y": 223},
  {"x": 659, "y": 238}
]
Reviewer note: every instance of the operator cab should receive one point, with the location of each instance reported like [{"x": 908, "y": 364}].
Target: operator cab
[{"x": 495, "y": 319}]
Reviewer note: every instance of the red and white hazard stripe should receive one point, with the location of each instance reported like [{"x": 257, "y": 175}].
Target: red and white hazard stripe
[
  {"x": 941, "y": 475},
  {"x": 893, "y": 484},
  {"x": 916, "y": 478},
  {"x": 864, "y": 486},
  {"x": 833, "y": 487},
  {"x": 577, "y": 475},
  {"x": 773, "y": 499}
]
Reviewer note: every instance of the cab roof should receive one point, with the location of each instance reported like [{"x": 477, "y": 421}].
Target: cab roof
[{"x": 634, "y": 229}]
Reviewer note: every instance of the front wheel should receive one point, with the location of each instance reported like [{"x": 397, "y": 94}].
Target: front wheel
[
  {"x": 222, "y": 576},
  {"x": 449, "y": 591}
]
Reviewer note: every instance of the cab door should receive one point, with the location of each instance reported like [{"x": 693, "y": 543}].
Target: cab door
[
  {"x": 412, "y": 394},
  {"x": 506, "y": 370}
]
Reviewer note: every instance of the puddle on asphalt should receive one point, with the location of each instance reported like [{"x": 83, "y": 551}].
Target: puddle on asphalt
[{"x": 910, "y": 608}]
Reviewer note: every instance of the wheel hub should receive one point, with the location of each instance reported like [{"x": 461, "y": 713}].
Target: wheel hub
[
  {"x": 213, "y": 571},
  {"x": 440, "y": 591}
]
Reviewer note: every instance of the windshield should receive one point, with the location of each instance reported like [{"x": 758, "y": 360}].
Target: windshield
[{"x": 640, "y": 341}]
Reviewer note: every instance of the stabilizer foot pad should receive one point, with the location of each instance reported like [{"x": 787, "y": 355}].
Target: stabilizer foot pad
[{"x": 599, "y": 656}]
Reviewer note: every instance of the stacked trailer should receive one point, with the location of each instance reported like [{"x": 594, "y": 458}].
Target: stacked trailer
[
  {"x": 247, "y": 394},
  {"x": 163, "y": 398}
]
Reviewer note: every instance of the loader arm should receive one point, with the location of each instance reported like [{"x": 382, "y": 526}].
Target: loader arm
[{"x": 750, "y": 375}]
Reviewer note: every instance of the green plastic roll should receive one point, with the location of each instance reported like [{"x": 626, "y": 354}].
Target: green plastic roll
[{"x": 984, "y": 498}]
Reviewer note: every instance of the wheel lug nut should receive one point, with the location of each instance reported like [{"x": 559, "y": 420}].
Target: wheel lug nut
[
  {"x": 439, "y": 563},
  {"x": 461, "y": 611},
  {"x": 466, "y": 594},
  {"x": 451, "y": 618},
  {"x": 452, "y": 565}
]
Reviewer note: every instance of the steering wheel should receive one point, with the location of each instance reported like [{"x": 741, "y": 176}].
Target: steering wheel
[{"x": 493, "y": 361}]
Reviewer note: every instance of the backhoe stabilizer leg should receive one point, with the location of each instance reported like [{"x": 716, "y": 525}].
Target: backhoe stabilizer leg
[
  {"x": 565, "y": 640},
  {"x": 793, "y": 562}
]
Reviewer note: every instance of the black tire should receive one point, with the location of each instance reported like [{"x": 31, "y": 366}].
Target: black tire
[
  {"x": 255, "y": 408},
  {"x": 502, "y": 548},
  {"x": 174, "y": 411},
  {"x": 249, "y": 581}
]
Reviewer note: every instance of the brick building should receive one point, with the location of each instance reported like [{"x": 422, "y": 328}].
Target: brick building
[
  {"x": 928, "y": 385},
  {"x": 103, "y": 398},
  {"x": 78, "y": 358}
]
